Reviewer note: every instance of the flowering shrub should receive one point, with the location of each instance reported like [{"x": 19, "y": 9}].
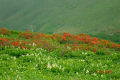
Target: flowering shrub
[
  {"x": 53, "y": 41},
  {"x": 26, "y": 35},
  {"x": 5, "y": 42},
  {"x": 4, "y": 31},
  {"x": 104, "y": 72}
]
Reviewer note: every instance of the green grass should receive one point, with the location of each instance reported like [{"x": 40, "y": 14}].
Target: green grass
[
  {"x": 42, "y": 65},
  {"x": 75, "y": 16}
]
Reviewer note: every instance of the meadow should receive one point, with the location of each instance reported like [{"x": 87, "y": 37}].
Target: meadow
[{"x": 38, "y": 56}]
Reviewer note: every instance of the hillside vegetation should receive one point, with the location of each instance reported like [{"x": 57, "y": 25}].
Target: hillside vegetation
[
  {"x": 75, "y": 16},
  {"x": 38, "y": 56}
]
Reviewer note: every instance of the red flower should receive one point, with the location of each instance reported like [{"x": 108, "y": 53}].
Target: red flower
[
  {"x": 15, "y": 43},
  {"x": 110, "y": 71},
  {"x": 119, "y": 46},
  {"x": 96, "y": 71},
  {"x": 64, "y": 38},
  {"x": 93, "y": 42},
  {"x": 101, "y": 72},
  {"x": 95, "y": 39},
  {"x": 94, "y": 50},
  {"x": 23, "y": 47},
  {"x": 66, "y": 34},
  {"x": 5, "y": 39},
  {"x": 113, "y": 45},
  {"x": 106, "y": 71},
  {"x": 42, "y": 35}
]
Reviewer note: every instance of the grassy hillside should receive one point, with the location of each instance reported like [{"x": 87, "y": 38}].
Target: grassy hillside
[
  {"x": 75, "y": 16},
  {"x": 35, "y": 56},
  {"x": 113, "y": 37}
]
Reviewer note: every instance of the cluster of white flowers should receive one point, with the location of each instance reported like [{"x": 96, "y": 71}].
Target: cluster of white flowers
[
  {"x": 77, "y": 73},
  {"x": 33, "y": 44},
  {"x": 14, "y": 58},
  {"x": 55, "y": 65},
  {"x": 94, "y": 74},
  {"x": 87, "y": 71},
  {"x": 85, "y": 53},
  {"x": 68, "y": 47},
  {"x": 82, "y": 60},
  {"x": 49, "y": 66}
]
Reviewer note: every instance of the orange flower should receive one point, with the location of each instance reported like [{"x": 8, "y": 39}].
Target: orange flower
[
  {"x": 15, "y": 43},
  {"x": 110, "y": 71},
  {"x": 5, "y": 39},
  {"x": 113, "y": 45},
  {"x": 119, "y": 46},
  {"x": 106, "y": 71},
  {"x": 23, "y": 47},
  {"x": 93, "y": 42},
  {"x": 101, "y": 72},
  {"x": 96, "y": 71},
  {"x": 94, "y": 50}
]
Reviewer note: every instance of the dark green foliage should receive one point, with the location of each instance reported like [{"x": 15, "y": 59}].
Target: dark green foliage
[
  {"x": 15, "y": 52},
  {"x": 100, "y": 52}
]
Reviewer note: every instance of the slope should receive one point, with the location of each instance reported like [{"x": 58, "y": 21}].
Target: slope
[{"x": 75, "y": 16}]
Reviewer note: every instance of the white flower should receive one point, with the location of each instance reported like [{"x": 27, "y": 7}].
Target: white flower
[
  {"x": 84, "y": 69},
  {"x": 32, "y": 54},
  {"x": 11, "y": 69},
  {"x": 92, "y": 64},
  {"x": 94, "y": 74},
  {"x": 34, "y": 44},
  {"x": 101, "y": 75},
  {"x": 55, "y": 65},
  {"x": 77, "y": 73},
  {"x": 23, "y": 55},
  {"x": 14, "y": 58},
  {"x": 49, "y": 65},
  {"x": 16, "y": 70},
  {"x": 36, "y": 65},
  {"x": 60, "y": 67},
  {"x": 85, "y": 53},
  {"x": 83, "y": 60},
  {"x": 82, "y": 52},
  {"x": 27, "y": 54},
  {"x": 68, "y": 47},
  {"x": 87, "y": 71}
]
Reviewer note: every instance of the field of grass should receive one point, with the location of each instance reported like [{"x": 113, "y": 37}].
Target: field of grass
[
  {"x": 74, "y": 16},
  {"x": 34, "y": 56}
]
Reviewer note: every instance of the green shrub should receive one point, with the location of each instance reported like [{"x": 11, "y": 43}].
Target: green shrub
[{"x": 15, "y": 52}]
